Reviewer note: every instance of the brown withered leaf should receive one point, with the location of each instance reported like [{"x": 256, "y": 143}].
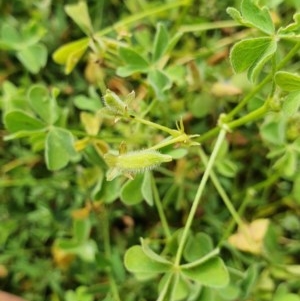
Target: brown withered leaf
[
  {"x": 249, "y": 237},
  {"x": 221, "y": 89}
]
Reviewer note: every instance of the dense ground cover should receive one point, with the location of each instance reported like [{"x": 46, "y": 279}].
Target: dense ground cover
[{"x": 150, "y": 150}]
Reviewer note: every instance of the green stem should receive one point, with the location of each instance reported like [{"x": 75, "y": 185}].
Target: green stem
[
  {"x": 213, "y": 132},
  {"x": 208, "y": 135},
  {"x": 155, "y": 125},
  {"x": 169, "y": 142},
  {"x": 267, "y": 79},
  {"x": 160, "y": 210},
  {"x": 246, "y": 99},
  {"x": 201, "y": 260},
  {"x": 221, "y": 191},
  {"x": 174, "y": 286},
  {"x": 261, "y": 111},
  {"x": 233, "y": 222},
  {"x": 288, "y": 57},
  {"x": 235, "y": 215},
  {"x": 114, "y": 288},
  {"x": 236, "y": 123},
  {"x": 165, "y": 288},
  {"x": 198, "y": 196},
  {"x": 107, "y": 251},
  {"x": 207, "y": 26},
  {"x": 132, "y": 19},
  {"x": 247, "y": 199}
]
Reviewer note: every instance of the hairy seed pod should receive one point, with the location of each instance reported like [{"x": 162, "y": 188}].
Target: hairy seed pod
[
  {"x": 114, "y": 103},
  {"x": 136, "y": 161}
]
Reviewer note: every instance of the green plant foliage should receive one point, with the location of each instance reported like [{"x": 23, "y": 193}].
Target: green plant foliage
[
  {"x": 59, "y": 148},
  {"x": 33, "y": 58},
  {"x": 134, "y": 62},
  {"x": 160, "y": 82},
  {"x": 70, "y": 54},
  {"x": 242, "y": 58},
  {"x": 138, "y": 262},
  {"x": 80, "y": 15},
  {"x": 31, "y": 53},
  {"x": 287, "y": 81},
  {"x": 161, "y": 42},
  {"x": 164, "y": 120},
  {"x": 254, "y": 16},
  {"x": 131, "y": 193},
  {"x": 212, "y": 273},
  {"x": 43, "y": 104},
  {"x": 19, "y": 121}
]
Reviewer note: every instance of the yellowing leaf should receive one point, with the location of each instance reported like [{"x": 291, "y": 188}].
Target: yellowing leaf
[
  {"x": 3, "y": 271},
  {"x": 249, "y": 237},
  {"x": 90, "y": 122},
  {"x": 221, "y": 89},
  {"x": 81, "y": 144},
  {"x": 69, "y": 54},
  {"x": 81, "y": 213},
  {"x": 61, "y": 258}
]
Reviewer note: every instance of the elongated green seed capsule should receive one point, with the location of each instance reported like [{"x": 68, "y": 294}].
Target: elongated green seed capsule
[
  {"x": 114, "y": 103},
  {"x": 136, "y": 161}
]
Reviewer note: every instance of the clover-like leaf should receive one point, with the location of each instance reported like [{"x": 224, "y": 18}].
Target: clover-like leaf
[
  {"x": 136, "y": 261},
  {"x": 249, "y": 280},
  {"x": 70, "y": 53},
  {"x": 212, "y": 273},
  {"x": 292, "y": 30},
  {"x": 133, "y": 60},
  {"x": 161, "y": 41},
  {"x": 273, "y": 131},
  {"x": 287, "y": 81},
  {"x": 179, "y": 289},
  {"x": 80, "y": 15},
  {"x": 160, "y": 82},
  {"x": 291, "y": 104},
  {"x": 33, "y": 57},
  {"x": 85, "y": 250},
  {"x": 152, "y": 255},
  {"x": 91, "y": 123},
  {"x": 286, "y": 297},
  {"x": 259, "y": 17},
  {"x": 20, "y": 121},
  {"x": 59, "y": 148},
  {"x": 10, "y": 37},
  {"x": 43, "y": 104},
  {"x": 252, "y": 54},
  {"x": 83, "y": 102},
  {"x": 197, "y": 246},
  {"x": 131, "y": 191},
  {"x": 253, "y": 16},
  {"x": 81, "y": 229},
  {"x": 287, "y": 164},
  {"x": 146, "y": 188}
]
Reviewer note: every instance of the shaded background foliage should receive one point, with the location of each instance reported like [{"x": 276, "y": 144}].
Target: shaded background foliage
[{"x": 39, "y": 208}]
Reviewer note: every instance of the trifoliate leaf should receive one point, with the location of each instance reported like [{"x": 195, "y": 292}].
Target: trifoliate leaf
[
  {"x": 253, "y": 16},
  {"x": 287, "y": 81},
  {"x": 252, "y": 54},
  {"x": 80, "y": 15},
  {"x": 59, "y": 148},
  {"x": 212, "y": 273}
]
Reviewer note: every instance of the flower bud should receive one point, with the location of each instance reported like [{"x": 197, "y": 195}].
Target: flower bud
[
  {"x": 114, "y": 103},
  {"x": 135, "y": 161}
]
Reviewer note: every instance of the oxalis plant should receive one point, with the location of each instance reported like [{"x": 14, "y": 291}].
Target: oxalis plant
[{"x": 185, "y": 263}]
